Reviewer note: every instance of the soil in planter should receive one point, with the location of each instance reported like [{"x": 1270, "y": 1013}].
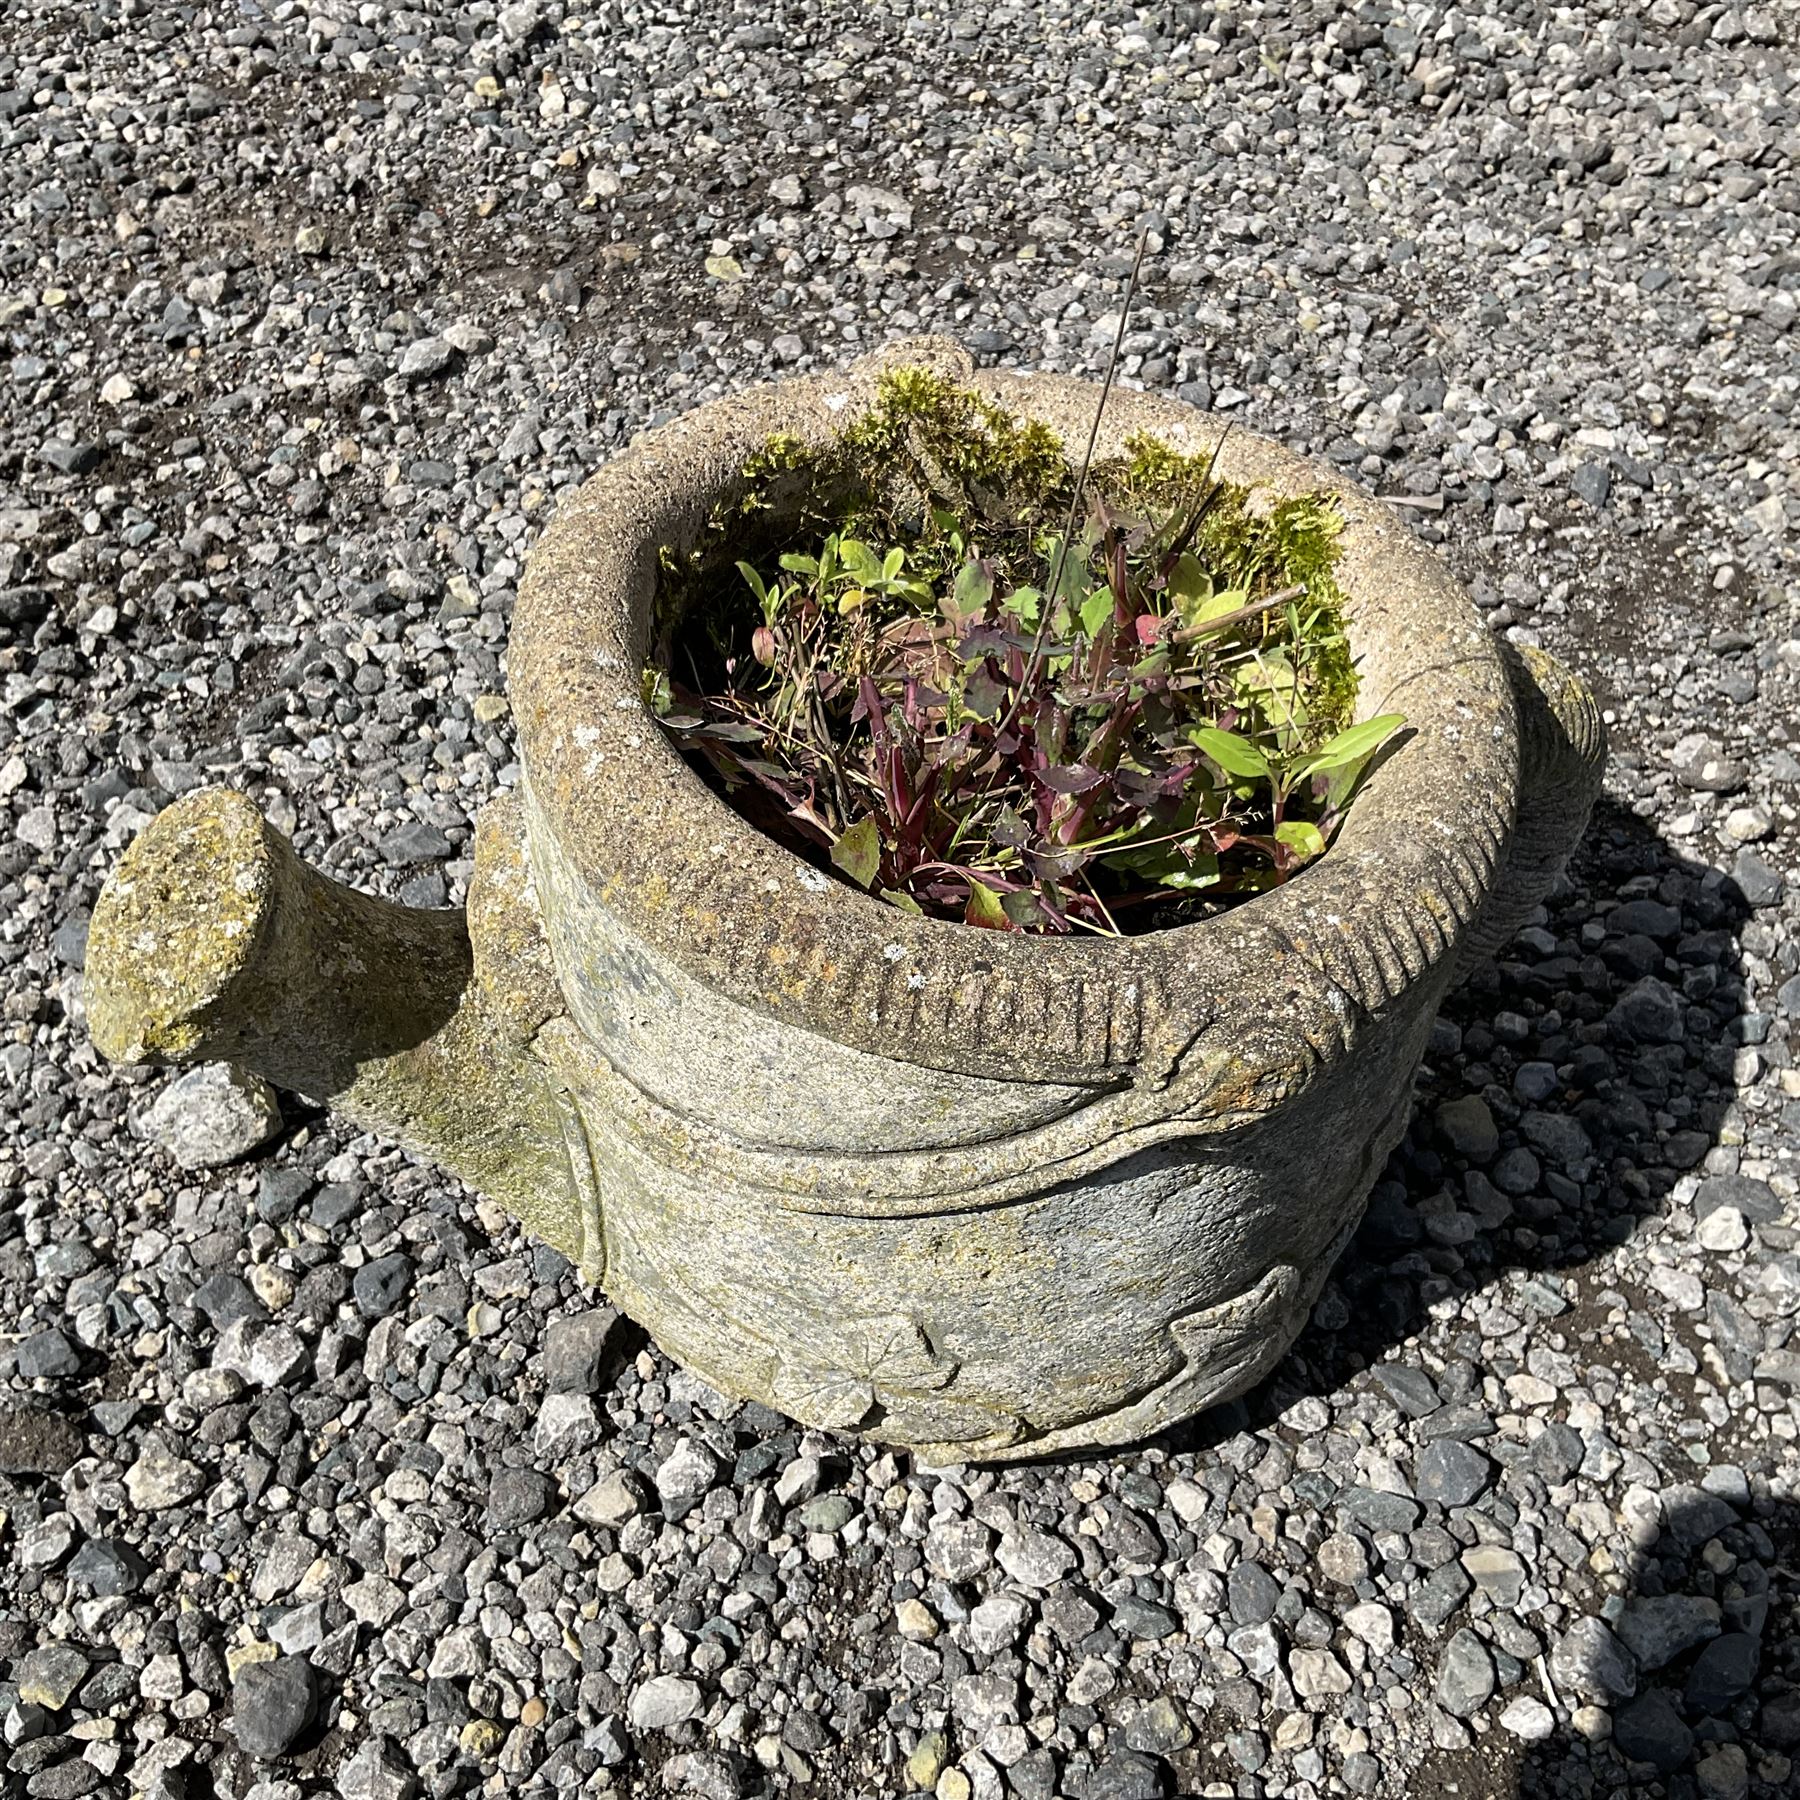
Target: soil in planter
[{"x": 895, "y": 656}]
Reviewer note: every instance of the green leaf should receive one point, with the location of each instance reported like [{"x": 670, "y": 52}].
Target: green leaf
[
  {"x": 858, "y": 852},
  {"x": 974, "y": 588},
  {"x": 1189, "y": 584},
  {"x": 797, "y": 564},
  {"x": 893, "y": 563},
  {"x": 1025, "y": 604},
  {"x": 905, "y": 902},
  {"x": 1235, "y": 755},
  {"x": 1021, "y": 906},
  {"x": 1303, "y": 839},
  {"x": 1188, "y": 864},
  {"x": 1268, "y": 682},
  {"x": 859, "y": 560},
  {"x": 1351, "y": 746},
  {"x": 1220, "y": 604},
  {"x": 1096, "y": 609},
  {"x": 1071, "y": 579},
  {"x": 1201, "y": 875},
  {"x": 986, "y": 907},
  {"x": 755, "y": 582}
]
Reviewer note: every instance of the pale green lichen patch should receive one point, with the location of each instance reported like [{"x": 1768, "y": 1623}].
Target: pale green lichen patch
[{"x": 177, "y": 923}]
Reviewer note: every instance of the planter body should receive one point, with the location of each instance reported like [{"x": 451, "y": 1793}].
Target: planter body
[{"x": 982, "y": 1194}]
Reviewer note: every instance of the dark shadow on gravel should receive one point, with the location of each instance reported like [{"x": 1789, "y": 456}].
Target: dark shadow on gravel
[
  {"x": 1601, "y": 1045},
  {"x": 1708, "y": 1640}
]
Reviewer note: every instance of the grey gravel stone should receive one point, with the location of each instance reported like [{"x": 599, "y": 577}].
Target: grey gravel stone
[
  {"x": 1724, "y": 1773},
  {"x": 958, "y": 1549},
  {"x": 160, "y": 1478},
  {"x": 36, "y": 1441},
  {"x": 1701, "y": 763},
  {"x": 1159, "y": 1728},
  {"x": 1758, "y": 882},
  {"x": 1498, "y": 1572},
  {"x": 1126, "y": 1775},
  {"x": 380, "y": 1286},
  {"x": 1409, "y": 1388},
  {"x": 982, "y": 1701},
  {"x": 612, "y": 1501},
  {"x": 1380, "y": 1511},
  {"x": 663, "y": 1701},
  {"x": 1451, "y": 1474},
  {"x": 272, "y": 1704},
  {"x": 377, "y": 1771},
  {"x": 1656, "y": 1631},
  {"x": 1035, "y": 1558},
  {"x": 226, "y": 1298},
  {"x": 1468, "y": 1128},
  {"x": 518, "y": 1497},
  {"x": 103, "y": 1567},
  {"x": 1650, "y": 1730},
  {"x": 426, "y": 357},
  {"x": 828, "y": 1513},
  {"x": 1528, "y": 1718},
  {"x": 280, "y": 1193},
  {"x": 49, "y": 1675},
  {"x": 1723, "y": 1673},
  {"x": 686, "y": 1473},
  {"x": 1754, "y": 1200},
  {"x": 996, "y": 1623},
  {"x": 1781, "y": 1719},
  {"x": 1589, "y": 1660},
  {"x": 64, "y": 1781},
  {"x": 415, "y": 842},
  {"x": 575, "y": 1349},
  {"x": 46, "y": 1356},
  {"x": 1648, "y": 1013},
  {"x": 68, "y": 458},
  {"x": 213, "y": 1115},
  {"x": 1251, "y": 1591},
  {"x": 1465, "y": 1677},
  {"x": 1593, "y": 482},
  {"x": 1317, "y": 1674},
  {"x": 1141, "y": 1618}
]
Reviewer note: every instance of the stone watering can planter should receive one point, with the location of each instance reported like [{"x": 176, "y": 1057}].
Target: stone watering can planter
[{"x": 989, "y": 1195}]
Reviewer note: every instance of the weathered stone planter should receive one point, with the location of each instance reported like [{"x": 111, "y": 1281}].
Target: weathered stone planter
[{"x": 988, "y": 1195}]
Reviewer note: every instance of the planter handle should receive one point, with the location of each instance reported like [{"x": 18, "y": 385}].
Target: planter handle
[{"x": 1562, "y": 756}]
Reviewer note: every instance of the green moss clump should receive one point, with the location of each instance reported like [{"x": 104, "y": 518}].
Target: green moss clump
[
  {"x": 926, "y": 455},
  {"x": 1290, "y": 542}
]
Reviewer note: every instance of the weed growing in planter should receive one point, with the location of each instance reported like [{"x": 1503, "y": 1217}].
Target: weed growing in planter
[{"x": 889, "y": 655}]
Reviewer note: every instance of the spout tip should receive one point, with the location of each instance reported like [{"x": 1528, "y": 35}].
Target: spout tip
[{"x": 177, "y": 923}]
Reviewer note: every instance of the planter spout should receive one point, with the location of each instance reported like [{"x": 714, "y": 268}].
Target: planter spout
[{"x": 213, "y": 942}]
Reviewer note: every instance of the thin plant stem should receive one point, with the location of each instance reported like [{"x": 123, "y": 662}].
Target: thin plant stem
[{"x": 1081, "y": 475}]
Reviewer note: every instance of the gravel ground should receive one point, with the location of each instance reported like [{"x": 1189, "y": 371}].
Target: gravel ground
[{"x": 316, "y": 1477}]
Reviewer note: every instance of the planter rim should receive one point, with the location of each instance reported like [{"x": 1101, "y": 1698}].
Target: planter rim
[{"x": 1313, "y": 960}]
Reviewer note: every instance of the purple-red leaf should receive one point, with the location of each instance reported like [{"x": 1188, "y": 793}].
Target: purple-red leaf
[{"x": 1076, "y": 779}]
